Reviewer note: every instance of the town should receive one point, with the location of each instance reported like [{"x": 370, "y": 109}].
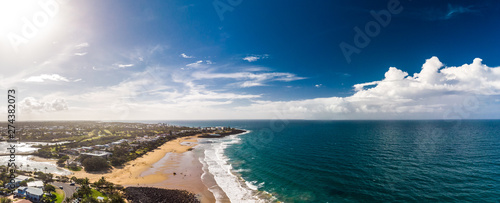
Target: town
[{"x": 90, "y": 146}]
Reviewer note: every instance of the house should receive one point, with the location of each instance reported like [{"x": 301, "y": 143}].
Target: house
[
  {"x": 34, "y": 194},
  {"x": 36, "y": 184},
  {"x": 17, "y": 180},
  {"x": 31, "y": 193},
  {"x": 102, "y": 154},
  {"x": 20, "y": 192},
  {"x": 23, "y": 177}
]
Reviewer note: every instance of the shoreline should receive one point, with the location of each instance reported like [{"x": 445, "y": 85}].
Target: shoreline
[
  {"x": 156, "y": 168},
  {"x": 176, "y": 164}
]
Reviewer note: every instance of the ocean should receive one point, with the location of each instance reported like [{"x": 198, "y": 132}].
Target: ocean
[{"x": 355, "y": 161}]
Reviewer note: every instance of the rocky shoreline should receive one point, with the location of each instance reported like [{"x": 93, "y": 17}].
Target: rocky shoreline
[
  {"x": 221, "y": 135},
  {"x": 158, "y": 195}
]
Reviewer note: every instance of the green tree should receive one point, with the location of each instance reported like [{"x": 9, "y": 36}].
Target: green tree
[
  {"x": 90, "y": 200},
  {"x": 101, "y": 182},
  {"x": 95, "y": 164},
  {"x": 115, "y": 198},
  {"x": 46, "y": 199},
  {"x": 50, "y": 188},
  {"x": 5, "y": 200}
]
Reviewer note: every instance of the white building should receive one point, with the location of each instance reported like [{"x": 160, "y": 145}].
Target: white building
[
  {"x": 31, "y": 193},
  {"x": 36, "y": 184}
]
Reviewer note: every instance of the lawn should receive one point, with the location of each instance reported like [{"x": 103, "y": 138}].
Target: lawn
[
  {"x": 59, "y": 195},
  {"x": 96, "y": 194}
]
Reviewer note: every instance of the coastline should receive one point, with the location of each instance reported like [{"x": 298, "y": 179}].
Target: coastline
[
  {"x": 156, "y": 169},
  {"x": 177, "y": 164}
]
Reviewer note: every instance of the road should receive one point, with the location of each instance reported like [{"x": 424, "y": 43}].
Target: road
[{"x": 68, "y": 189}]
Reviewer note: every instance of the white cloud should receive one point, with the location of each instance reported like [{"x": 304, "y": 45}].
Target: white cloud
[
  {"x": 168, "y": 93},
  {"x": 254, "y": 58},
  {"x": 251, "y": 79},
  {"x": 81, "y": 54},
  {"x": 45, "y": 77},
  {"x": 431, "y": 93},
  {"x": 82, "y": 45},
  {"x": 124, "y": 65},
  {"x": 30, "y": 104},
  {"x": 251, "y": 58},
  {"x": 183, "y": 55},
  {"x": 197, "y": 64},
  {"x": 318, "y": 85}
]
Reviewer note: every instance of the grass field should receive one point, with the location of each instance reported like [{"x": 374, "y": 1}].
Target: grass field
[
  {"x": 59, "y": 195},
  {"x": 96, "y": 194}
]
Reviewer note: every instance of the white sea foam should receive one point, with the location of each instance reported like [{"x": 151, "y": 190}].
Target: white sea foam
[{"x": 216, "y": 163}]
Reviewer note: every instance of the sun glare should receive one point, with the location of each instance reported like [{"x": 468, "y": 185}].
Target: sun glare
[{"x": 12, "y": 13}]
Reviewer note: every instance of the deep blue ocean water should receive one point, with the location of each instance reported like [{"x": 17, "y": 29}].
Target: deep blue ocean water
[{"x": 368, "y": 161}]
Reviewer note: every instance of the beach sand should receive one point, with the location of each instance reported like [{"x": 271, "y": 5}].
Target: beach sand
[
  {"x": 157, "y": 168},
  {"x": 40, "y": 159}
]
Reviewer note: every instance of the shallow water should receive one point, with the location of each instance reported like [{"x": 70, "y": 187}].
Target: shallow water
[{"x": 361, "y": 161}]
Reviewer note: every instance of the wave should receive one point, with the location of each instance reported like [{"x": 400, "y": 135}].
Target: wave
[{"x": 215, "y": 163}]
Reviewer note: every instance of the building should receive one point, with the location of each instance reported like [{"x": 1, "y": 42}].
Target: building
[
  {"x": 36, "y": 184},
  {"x": 23, "y": 177},
  {"x": 34, "y": 194},
  {"x": 102, "y": 154},
  {"x": 17, "y": 180},
  {"x": 20, "y": 192},
  {"x": 30, "y": 193}
]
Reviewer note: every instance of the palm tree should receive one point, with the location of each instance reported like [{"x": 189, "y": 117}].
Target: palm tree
[
  {"x": 100, "y": 182},
  {"x": 86, "y": 181}
]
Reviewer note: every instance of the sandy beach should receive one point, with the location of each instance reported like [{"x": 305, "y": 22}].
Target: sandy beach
[{"x": 157, "y": 169}]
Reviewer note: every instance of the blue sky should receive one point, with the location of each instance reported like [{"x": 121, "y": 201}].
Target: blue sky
[{"x": 221, "y": 59}]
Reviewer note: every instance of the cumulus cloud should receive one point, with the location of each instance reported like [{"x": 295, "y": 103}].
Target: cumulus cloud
[
  {"x": 254, "y": 58},
  {"x": 183, "y": 55},
  {"x": 30, "y": 104},
  {"x": 45, "y": 77},
  {"x": 431, "y": 93}
]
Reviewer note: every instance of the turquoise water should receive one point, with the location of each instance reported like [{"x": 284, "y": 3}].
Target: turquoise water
[{"x": 367, "y": 161}]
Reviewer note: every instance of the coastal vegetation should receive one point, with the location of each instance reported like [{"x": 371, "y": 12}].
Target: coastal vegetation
[
  {"x": 158, "y": 195},
  {"x": 89, "y": 192},
  {"x": 123, "y": 141},
  {"x": 99, "y": 147},
  {"x": 95, "y": 164}
]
